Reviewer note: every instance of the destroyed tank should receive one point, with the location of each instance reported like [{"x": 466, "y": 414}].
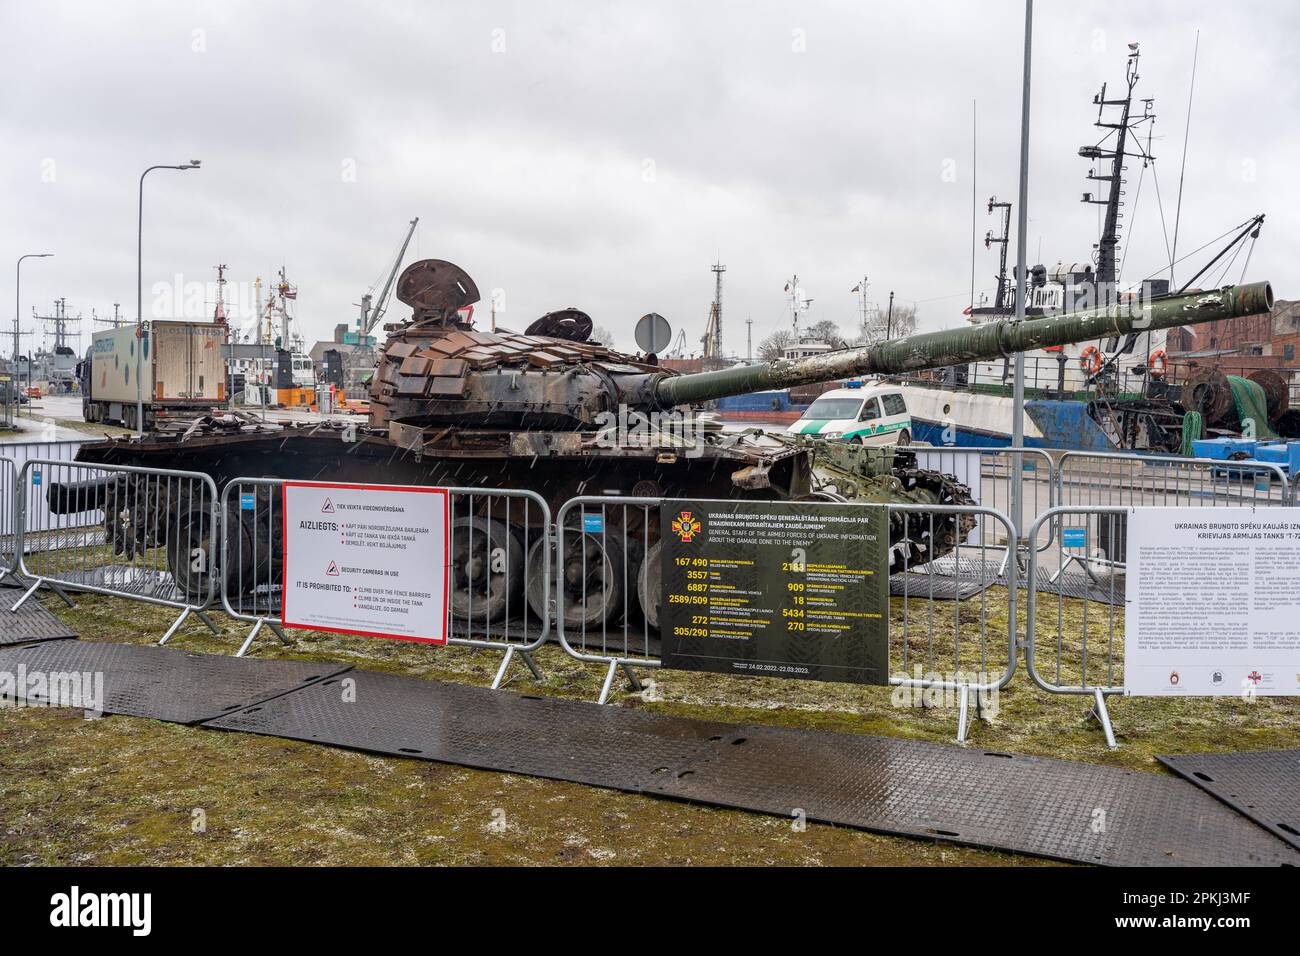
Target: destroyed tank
[{"x": 550, "y": 411}]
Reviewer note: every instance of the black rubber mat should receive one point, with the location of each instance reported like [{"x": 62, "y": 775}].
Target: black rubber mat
[
  {"x": 1077, "y": 584},
  {"x": 31, "y": 622},
  {"x": 940, "y": 587},
  {"x": 1263, "y": 785},
  {"x": 146, "y": 582},
  {"x": 475, "y": 727},
  {"x": 1051, "y": 808},
  {"x": 172, "y": 685}
]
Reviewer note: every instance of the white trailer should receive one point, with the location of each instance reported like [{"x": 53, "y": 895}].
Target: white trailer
[{"x": 182, "y": 371}]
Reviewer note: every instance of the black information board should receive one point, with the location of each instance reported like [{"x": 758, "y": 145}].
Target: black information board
[{"x": 776, "y": 589}]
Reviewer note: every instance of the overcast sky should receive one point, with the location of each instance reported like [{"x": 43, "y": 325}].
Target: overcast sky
[{"x": 604, "y": 155}]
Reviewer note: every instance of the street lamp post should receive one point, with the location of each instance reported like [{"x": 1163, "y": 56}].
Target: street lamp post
[
  {"x": 18, "y": 296},
  {"x": 139, "y": 292},
  {"x": 1022, "y": 286},
  {"x": 18, "y": 285}
]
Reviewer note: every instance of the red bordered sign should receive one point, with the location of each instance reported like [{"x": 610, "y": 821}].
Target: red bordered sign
[{"x": 366, "y": 559}]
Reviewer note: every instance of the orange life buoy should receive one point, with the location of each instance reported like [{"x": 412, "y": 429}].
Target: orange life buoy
[
  {"x": 1158, "y": 363},
  {"x": 1091, "y": 360}
]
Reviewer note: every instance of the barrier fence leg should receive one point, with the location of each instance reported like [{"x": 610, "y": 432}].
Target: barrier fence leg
[
  {"x": 257, "y": 628},
  {"x": 632, "y": 679},
  {"x": 248, "y": 641},
  {"x": 1071, "y": 559},
  {"x": 505, "y": 665},
  {"x": 963, "y": 714},
  {"x": 1100, "y": 712},
  {"x": 175, "y": 627},
  {"x": 609, "y": 682},
  {"x": 524, "y": 656},
  {"x": 32, "y": 590},
  {"x": 203, "y": 616},
  {"x": 532, "y": 665},
  {"x": 26, "y": 594}
]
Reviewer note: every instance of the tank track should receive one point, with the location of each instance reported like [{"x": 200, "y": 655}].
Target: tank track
[{"x": 917, "y": 538}]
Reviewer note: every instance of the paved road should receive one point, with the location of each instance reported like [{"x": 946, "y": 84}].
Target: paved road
[{"x": 36, "y": 420}]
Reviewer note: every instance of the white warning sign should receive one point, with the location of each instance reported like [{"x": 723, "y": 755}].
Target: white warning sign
[
  {"x": 1213, "y": 602},
  {"x": 366, "y": 559}
]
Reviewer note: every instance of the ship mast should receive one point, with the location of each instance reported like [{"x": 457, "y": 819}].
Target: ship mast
[
  {"x": 716, "y": 319},
  {"x": 285, "y": 292},
  {"x": 62, "y": 323},
  {"x": 218, "y": 313},
  {"x": 1108, "y": 244},
  {"x": 1003, "y": 240},
  {"x": 796, "y": 303}
]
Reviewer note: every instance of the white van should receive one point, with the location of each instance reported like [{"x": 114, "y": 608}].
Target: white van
[{"x": 868, "y": 415}]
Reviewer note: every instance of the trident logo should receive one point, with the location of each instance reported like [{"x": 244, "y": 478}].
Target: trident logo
[{"x": 686, "y": 526}]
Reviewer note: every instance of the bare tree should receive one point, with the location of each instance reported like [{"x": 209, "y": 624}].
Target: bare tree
[
  {"x": 776, "y": 343},
  {"x": 880, "y": 325},
  {"x": 602, "y": 335},
  {"x": 827, "y": 331}
]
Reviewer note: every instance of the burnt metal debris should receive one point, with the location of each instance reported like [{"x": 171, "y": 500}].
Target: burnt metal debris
[{"x": 549, "y": 411}]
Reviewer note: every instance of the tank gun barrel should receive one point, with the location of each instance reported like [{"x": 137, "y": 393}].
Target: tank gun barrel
[{"x": 957, "y": 346}]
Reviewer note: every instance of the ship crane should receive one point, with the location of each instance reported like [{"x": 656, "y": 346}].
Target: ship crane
[{"x": 370, "y": 317}]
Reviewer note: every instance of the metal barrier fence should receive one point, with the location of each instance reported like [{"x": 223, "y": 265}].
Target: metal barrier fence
[
  {"x": 602, "y": 599},
  {"x": 167, "y": 537},
  {"x": 155, "y": 540},
  {"x": 1077, "y": 648},
  {"x": 8, "y": 519},
  {"x": 1100, "y": 479},
  {"x": 609, "y": 590},
  {"x": 499, "y": 550},
  {"x": 19, "y": 452},
  {"x": 1114, "y": 479},
  {"x": 988, "y": 472}
]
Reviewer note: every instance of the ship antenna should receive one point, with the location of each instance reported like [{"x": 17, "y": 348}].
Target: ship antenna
[{"x": 1178, "y": 209}]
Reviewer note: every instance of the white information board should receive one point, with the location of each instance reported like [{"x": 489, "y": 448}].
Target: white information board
[
  {"x": 366, "y": 559},
  {"x": 1213, "y": 602}
]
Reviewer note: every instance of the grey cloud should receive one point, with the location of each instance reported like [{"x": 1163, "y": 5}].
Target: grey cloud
[{"x": 528, "y": 166}]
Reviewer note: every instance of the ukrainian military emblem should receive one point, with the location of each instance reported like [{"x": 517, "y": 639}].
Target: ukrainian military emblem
[{"x": 686, "y": 526}]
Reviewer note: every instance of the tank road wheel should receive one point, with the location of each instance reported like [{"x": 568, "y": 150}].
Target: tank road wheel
[
  {"x": 487, "y": 569},
  {"x": 252, "y": 558},
  {"x": 591, "y": 579},
  {"x": 192, "y": 537},
  {"x": 650, "y": 585}
]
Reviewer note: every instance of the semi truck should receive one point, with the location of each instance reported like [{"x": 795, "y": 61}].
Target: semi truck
[{"x": 182, "y": 372}]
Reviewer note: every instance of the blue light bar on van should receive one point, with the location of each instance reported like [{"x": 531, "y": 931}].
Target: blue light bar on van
[{"x": 853, "y": 383}]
